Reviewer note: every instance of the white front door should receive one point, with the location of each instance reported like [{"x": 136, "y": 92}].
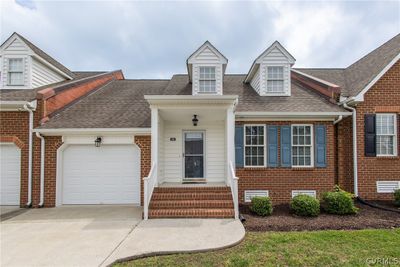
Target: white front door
[
  {"x": 193, "y": 151},
  {"x": 10, "y": 174},
  {"x": 109, "y": 174}
]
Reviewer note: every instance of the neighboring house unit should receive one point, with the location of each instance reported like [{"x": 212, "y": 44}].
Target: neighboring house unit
[{"x": 200, "y": 143}]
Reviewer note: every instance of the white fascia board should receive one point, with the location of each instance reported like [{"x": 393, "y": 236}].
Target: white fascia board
[
  {"x": 155, "y": 100},
  {"x": 17, "y": 105},
  {"x": 277, "y": 116},
  {"x": 360, "y": 96},
  {"x": 90, "y": 131},
  {"x": 315, "y": 78}
]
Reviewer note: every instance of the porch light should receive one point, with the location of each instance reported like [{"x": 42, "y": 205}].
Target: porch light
[
  {"x": 97, "y": 142},
  {"x": 195, "y": 120}
]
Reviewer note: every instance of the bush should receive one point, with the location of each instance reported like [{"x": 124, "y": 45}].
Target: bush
[
  {"x": 397, "y": 197},
  {"x": 305, "y": 205},
  {"x": 339, "y": 202},
  {"x": 261, "y": 206}
]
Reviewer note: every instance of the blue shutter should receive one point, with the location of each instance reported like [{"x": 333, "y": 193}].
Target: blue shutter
[
  {"x": 239, "y": 144},
  {"x": 320, "y": 146},
  {"x": 272, "y": 135},
  {"x": 286, "y": 146}
]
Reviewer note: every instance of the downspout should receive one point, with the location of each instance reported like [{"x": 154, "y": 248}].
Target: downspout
[
  {"x": 338, "y": 119},
  {"x": 28, "y": 108},
  {"x": 42, "y": 147},
  {"x": 355, "y": 164}
]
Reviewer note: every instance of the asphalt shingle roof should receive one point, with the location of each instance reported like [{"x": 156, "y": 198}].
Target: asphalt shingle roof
[{"x": 357, "y": 76}]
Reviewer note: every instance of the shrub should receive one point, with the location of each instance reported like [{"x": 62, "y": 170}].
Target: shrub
[
  {"x": 261, "y": 206},
  {"x": 339, "y": 202},
  {"x": 305, "y": 205},
  {"x": 397, "y": 197}
]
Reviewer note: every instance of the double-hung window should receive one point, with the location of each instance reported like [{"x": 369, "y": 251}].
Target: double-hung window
[
  {"x": 275, "y": 80},
  {"x": 302, "y": 146},
  {"x": 15, "y": 71},
  {"x": 254, "y": 145},
  {"x": 386, "y": 135},
  {"x": 207, "y": 81}
]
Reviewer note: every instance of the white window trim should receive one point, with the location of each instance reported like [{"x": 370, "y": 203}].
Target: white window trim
[
  {"x": 8, "y": 71},
  {"x": 395, "y": 136},
  {"x": 215, "y": 79},
  {"x": 283, "y": 80},
  {"x": 244, "y": 146},
  {"x": 312, "y": 145}
]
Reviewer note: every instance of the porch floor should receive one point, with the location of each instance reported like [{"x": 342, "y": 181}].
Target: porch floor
[{"x": 213, "y": 184}]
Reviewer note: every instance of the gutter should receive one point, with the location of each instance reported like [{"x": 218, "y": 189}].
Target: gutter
[
  {"x": 42, "y": 150},
  {"x": 355, "y": 159},
  {"x": 29, "y": 108}
]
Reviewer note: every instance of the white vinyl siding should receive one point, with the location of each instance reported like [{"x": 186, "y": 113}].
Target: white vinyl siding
[
  {"x": 255, "y": 81},
  {"x": 249, "y": 194},
  {"x": 215, "y": 154},
  {"x": 302, "y": 145},
  {"x": 15, "y": 71},
  {"x": 254, "y": 145},
  {"x": 207, "y": 81},
  {"x": 386, "y": 135},
  {"x": 42, "y": 75}
]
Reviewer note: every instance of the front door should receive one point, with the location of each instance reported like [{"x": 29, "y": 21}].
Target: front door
[{"x": 193, "y": 151}]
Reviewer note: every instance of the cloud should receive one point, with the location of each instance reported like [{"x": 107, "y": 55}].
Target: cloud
[{"x": 153, "y": 39}]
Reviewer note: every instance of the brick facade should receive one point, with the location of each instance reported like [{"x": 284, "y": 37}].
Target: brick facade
[
  {"x": 384, "y": 96},
  {"x": 280, "y": 181},
  {"x": 144, "y": 143}
]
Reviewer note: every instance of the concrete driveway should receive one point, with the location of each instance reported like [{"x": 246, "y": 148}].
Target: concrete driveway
[{"x": 66, "y": 236}]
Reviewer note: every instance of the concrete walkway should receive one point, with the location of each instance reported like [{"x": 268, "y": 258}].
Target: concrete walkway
[{"x": 178, "y": 235}]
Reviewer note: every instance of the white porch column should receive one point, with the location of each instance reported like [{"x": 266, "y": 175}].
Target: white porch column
[
  {"x": 154, "y": 138},
  {"x": 230, "y": 139}
]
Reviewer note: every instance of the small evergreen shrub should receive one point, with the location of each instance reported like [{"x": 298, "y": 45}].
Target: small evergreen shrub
[
  {"x": 261, "y": 206},
  {"x": 397, "y": 197},
  {"x": 305, "y": 205},
  {"x": 339, "y": 202}
]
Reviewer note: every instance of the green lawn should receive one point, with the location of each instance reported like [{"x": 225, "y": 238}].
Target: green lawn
[{"x": 320, "y": 248}]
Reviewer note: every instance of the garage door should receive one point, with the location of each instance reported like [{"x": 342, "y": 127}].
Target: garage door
[
  {"x": 10, "y": 174},
  {"x": 101, "y": 175}
]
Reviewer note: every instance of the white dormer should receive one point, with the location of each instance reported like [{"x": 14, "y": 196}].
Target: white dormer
[
  {"x": 206, "y": 68},
  {"x": 270, "y": 73},
  {"x": 24, "y": 66}
]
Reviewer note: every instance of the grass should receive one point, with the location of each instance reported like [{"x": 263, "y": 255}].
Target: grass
[{"x": 319, "y": 248}]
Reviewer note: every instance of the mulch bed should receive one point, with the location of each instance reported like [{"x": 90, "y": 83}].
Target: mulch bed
[{"x": 282, "y": 220}]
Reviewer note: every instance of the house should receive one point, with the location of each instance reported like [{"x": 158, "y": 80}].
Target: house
[{"x": 198, "y": 144}]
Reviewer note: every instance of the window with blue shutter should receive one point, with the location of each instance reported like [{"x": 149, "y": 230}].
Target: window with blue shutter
[
  {"x": 239, "y": 146},
  {"x": 370, "y": 135},
  {"x": 286, "y": 143},
  {"x": 320, "y": 146},
  {"x": 272, "y": 137}
]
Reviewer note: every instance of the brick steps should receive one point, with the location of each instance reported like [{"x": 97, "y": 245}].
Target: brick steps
[
  {"x": 186, "y": 204},
  {"x": 191, "y": 202},
  {"x": 191, "y": 213}
]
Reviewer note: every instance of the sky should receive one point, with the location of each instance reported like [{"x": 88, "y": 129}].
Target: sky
[{"x": 150, "y": 39}]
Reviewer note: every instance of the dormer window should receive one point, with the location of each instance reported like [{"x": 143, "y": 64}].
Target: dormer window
[
  {"x": 275, "y": 79},
  {"x": 15, "y": 71},
  {"x": 207, "y": 81}
]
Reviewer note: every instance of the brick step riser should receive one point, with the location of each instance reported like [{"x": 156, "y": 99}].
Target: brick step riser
[
  {"x": 189, "y": 196},
  {"x": 190, "y": 204},
  {"x": 192, "y": 213}
]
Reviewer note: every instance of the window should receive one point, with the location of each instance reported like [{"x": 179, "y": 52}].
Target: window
[
  {"x": 302, "y": 150},
  {"x": 275, "y": 80},
  {"x": 386, "y": 134},
  {"x": 207, "y": 80},
  {"x": 15, "y": 71},
  {"x": 254, "y": 145}
]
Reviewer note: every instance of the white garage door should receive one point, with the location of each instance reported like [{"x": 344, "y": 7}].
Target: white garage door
[
  {"x": 101, "y": 175},
  {"x": 10, "y": 174}
]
